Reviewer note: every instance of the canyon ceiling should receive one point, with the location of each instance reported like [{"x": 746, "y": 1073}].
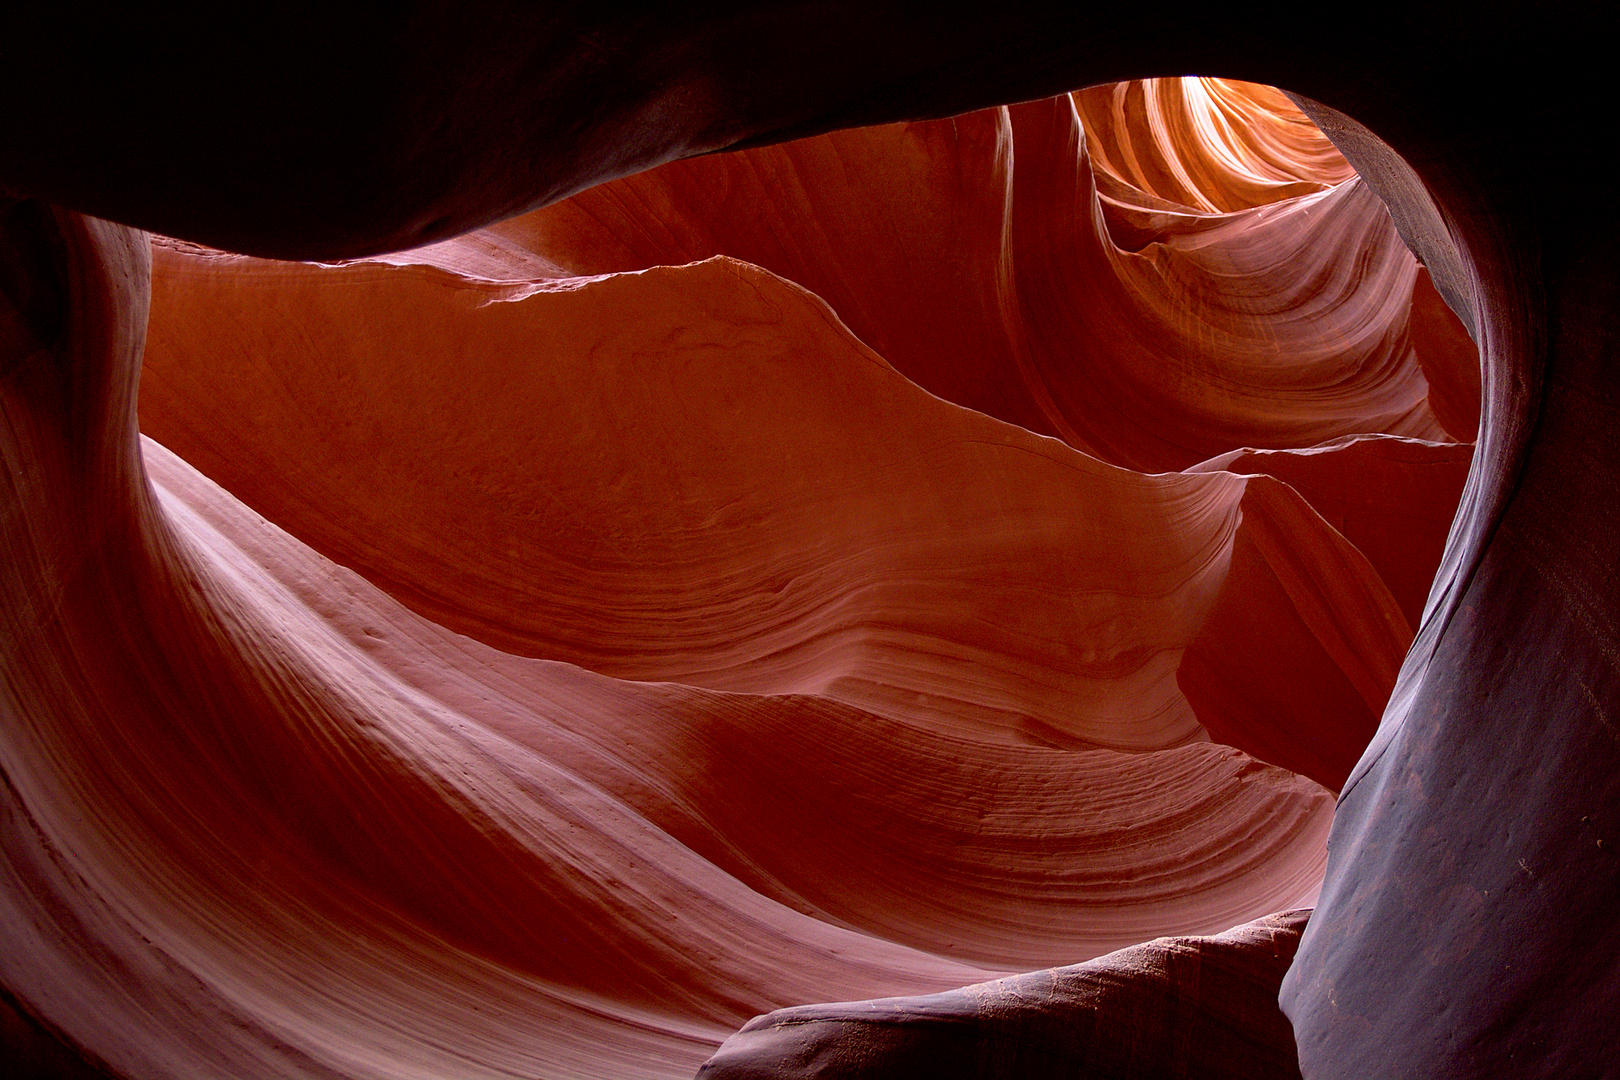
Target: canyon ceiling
[{"x": 608, "y": 589}]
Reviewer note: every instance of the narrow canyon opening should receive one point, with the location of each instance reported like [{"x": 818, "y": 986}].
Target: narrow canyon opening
[{"x": 867, "y": 565}]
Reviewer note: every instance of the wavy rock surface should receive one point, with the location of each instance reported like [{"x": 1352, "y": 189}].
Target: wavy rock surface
[
  {"x": 1195, "y": 146},
  {"x": 978, "y": 256},
  {"x": 784, "y": 679},
  {"x": 757, "y": 504},
  {"x": 310, "y": 833},
  {"x": 727, "y": 491}
]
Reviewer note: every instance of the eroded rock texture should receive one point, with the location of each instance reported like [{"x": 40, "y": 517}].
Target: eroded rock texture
[
  {"x": 783, "y": 678},
  {"x": 537, "y": 654},
  {"x": 1169, "y": 1008}
]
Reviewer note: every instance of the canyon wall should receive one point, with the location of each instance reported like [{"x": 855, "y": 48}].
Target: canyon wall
[{"x": 856, "y": 567}]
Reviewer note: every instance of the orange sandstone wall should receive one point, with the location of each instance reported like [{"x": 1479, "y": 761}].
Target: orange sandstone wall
[{"x": 553, "y": 647}]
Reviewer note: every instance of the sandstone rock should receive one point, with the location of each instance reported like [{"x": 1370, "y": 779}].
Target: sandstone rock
[{"x": 234, "y": 845}]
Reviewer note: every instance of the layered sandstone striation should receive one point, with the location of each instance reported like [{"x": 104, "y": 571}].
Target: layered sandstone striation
[
  {"x": 860, "y": 566},
  {"x": 739, "y": 490}
]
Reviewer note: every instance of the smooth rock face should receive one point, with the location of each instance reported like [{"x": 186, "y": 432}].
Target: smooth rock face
[
  {"x": 638, "y": 651},
  {"x": 1173, "y": 1007},
  {"x": 262, "y": 817},
  {"x": 989, "y": 262}
]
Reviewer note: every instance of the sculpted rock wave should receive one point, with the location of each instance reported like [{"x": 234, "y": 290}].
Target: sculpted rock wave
[
  {"x": 864, "y": 566},
  {"x": 990, "y": 260}
]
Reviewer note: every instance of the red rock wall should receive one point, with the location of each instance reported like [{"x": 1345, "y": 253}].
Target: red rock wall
[
  {"x": 842, "y": 661},
  {"x": 301, "y": 830},
  {"x": 263, "y": 819}
]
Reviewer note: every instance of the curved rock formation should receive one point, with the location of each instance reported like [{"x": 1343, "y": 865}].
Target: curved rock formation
[
  {"x": 278, "y": 763},
  {"x": 1169, "y": 1008},
  {"x": 971, "y": 253},
  {"x": 262, "y": 819},
  {"x": 727, "y": 492},
  {"x": 757, "y": 504}
]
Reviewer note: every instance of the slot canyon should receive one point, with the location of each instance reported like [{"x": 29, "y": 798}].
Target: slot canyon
[{"x": 814, "y": 540}]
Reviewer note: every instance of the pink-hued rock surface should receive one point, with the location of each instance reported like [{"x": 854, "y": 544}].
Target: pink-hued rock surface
[{"x": 856, "y": 567}]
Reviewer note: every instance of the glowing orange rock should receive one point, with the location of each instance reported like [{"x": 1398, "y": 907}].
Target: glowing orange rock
[{"x": 1195, "y": 146}]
